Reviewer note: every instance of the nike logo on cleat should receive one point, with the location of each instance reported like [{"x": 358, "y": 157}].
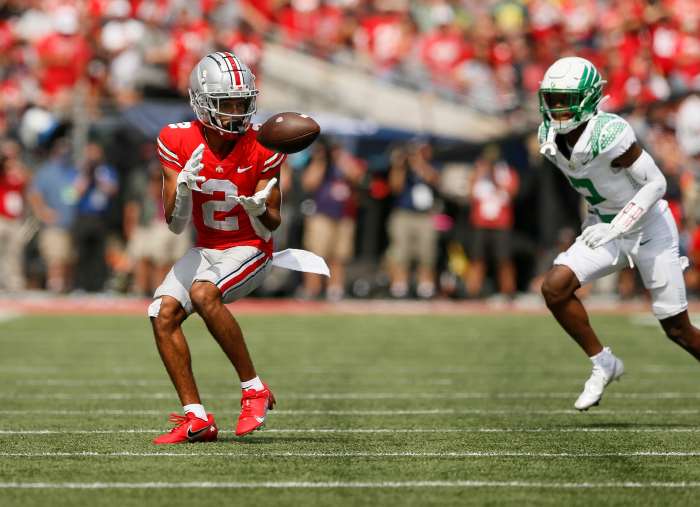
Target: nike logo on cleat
[
  {"x": 191, "y": 435},
  {"x": 244, "y": 169}
]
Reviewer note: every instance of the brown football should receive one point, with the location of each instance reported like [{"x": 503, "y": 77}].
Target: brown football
[{"x": 288, "y": 132}]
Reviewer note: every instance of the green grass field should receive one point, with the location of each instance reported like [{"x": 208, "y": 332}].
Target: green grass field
[{"x": 471, "y": 410}]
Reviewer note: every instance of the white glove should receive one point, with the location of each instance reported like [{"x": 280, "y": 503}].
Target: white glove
[
  {"x": 188, "y": 178},
  {"x": 256, "y": 204},
  {"x": 599, "y": 234}
]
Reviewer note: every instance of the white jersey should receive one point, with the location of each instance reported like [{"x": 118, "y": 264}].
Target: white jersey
[
  {"x": 607, "y": 189},
  {"x": 652, "y": 245}
]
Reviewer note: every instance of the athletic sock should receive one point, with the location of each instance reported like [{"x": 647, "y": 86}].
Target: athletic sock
[
  {"x": 197, "y": 410},
  {"x": 254, "y": 383}
]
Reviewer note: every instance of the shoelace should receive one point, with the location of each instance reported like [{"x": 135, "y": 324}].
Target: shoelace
[
  {"x": 178, "y": 420},
  {"x": 598, "y": 374},
  {"x": 246, "y": 406}
]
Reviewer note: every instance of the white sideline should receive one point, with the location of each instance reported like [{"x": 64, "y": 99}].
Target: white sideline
[
  {"x": 582, "y": 429},
  {"x": 355, "y": 454},
  {"x": 231, "y": 395},
  {"x": 398, "y": 412},
  {"x": 346, "y": 485}
]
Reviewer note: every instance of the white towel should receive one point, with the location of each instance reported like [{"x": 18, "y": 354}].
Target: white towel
[{"x": 300, "y": 260}]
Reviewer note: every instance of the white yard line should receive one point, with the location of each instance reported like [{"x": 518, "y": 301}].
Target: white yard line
[
  {"x": 93, "y": 382},
  {"x": 359, "y": 370},
  {"x": 349, "y": 485},
  {"x": 359, "y": 454},
  {"x": 364, "y": 413},
  {"x": 232, "y": 395},
  {"x": 581, "y": 429}
]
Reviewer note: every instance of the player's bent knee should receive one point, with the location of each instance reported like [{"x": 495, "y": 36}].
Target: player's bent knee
[
  {"x": 558, "y": 286},
  {"x": 166, "y": 312},
  {"x": 204, "y": 295}
]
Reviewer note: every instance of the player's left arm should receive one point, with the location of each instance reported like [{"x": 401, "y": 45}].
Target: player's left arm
[
  {"x": 263, "y": 207},
  {"x": 642, "y": 169}
]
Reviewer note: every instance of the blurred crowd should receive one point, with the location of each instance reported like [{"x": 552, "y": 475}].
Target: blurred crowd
[
  {"x": 410, "y": 218},
  {"x": 489, "y": 54}
]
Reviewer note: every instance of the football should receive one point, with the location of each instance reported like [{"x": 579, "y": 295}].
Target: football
[{"x": 288, "y": 132}]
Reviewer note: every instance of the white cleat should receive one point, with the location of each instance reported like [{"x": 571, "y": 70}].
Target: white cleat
[{"x": 595, "y": 385}]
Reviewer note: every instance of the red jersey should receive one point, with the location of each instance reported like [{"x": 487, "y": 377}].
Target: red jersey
[
  {"x": 11, "y": 195},
  {"x": 219, "y": 221},
  {"x": 492, "y": 201},
  {"x": 65, "y": 58}
]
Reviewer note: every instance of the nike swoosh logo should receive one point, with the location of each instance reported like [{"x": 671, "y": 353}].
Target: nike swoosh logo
[
  {"x": 645, "y": 242},
  {"x": 244, "y": 169},
  {"x": 191, "y": 435}
]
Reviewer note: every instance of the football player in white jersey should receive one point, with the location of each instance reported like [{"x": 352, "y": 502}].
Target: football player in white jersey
[{"x": 628, "y": 222}]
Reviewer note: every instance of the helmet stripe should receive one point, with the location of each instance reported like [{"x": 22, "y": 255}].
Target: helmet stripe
[
  {"x": 584, "y": 76},
  {"x": 227, "y": 66},
  {"x": 234, "y": 68},
  {"x": 591, "y": 77},
  {"x": 226, "y": 63},
  {"x": 240, "y": 66}
]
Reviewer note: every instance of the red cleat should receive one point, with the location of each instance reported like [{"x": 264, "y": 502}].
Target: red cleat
[
  {"x": 254, "y": 407},
  {"x": 189, "y": 428}
]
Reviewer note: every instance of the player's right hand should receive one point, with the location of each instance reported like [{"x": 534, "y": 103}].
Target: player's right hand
[
  {"x": 599, "y": 234},
  {"x": 189, "y": 178}
]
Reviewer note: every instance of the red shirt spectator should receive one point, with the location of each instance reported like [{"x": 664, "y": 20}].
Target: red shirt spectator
[
  {"x": 442, "y": 50},
  {"x": 63, "y": 57},
  {"x": 664, "y": 44},
  {"x": 298, "y": 21},
  {"x": 493, "y": 188},
  {"x": 688, "y": 55},
  {"x": 246, "y": 45},
  {"x": 328, "y": 31},
  {"x": 12, "y": 185},
  {"x": 190, "y": 42},
  {"x": 311, "y": 21},
  {"x": 7, "y": 38},
  {"x": 383, "y": 37}
]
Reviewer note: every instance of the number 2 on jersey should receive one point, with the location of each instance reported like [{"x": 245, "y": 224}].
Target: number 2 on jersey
[
  {"x": 223, "y": 206},
  {"x": 584, "y": 183}
]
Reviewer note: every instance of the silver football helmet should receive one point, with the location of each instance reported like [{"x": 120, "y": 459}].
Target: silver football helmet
[{"x": 222, "y": 93}]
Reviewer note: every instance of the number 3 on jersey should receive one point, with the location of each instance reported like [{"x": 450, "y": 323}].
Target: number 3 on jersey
[
  {"x": 586, "y": 184},
  {"x": 212, "y": 208}
]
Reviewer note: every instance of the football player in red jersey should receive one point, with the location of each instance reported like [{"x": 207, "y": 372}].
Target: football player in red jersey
[{"x": 216, "y": 172}]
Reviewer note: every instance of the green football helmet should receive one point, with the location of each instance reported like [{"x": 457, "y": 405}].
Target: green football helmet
[{"x": 569, "y": 93}]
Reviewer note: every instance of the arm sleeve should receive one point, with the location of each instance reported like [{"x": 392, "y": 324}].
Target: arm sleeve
[
  {"x": 168, "y": 149},
  {"x": 653, "y": 187},
  {"x": 181, "y": 212},
  {"x": 653, "y": 183}
]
